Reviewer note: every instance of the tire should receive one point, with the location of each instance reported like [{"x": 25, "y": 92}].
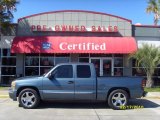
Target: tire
[
  {"x": 117, "y": 99},
  {"x": 29, "y": 98}
]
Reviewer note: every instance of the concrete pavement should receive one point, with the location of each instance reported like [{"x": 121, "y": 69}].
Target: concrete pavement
[
  {"x": 9, "y": 110},
  {"x": 153, "y": 95}
]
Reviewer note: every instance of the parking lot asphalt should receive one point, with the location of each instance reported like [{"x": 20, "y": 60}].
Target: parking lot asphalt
[{"x": 9, "y": 110}]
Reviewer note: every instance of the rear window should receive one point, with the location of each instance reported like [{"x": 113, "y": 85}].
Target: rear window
[{"x": 83, "y": 71}]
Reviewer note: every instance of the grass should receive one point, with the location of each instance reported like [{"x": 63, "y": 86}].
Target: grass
[
  {"x": 154, "y": 89},
  {"x": 3, "y": 88}
]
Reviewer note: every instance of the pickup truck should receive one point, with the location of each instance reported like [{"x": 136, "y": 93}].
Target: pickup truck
[{"x": 75, "y": 82}]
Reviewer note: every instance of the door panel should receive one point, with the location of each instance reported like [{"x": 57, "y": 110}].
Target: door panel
[
  {"x": 61, "y": 85},
  {"x": 85, "y": 83}
]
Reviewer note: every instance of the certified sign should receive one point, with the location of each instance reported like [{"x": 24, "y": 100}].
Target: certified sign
[{"x": 46, "y": 45}]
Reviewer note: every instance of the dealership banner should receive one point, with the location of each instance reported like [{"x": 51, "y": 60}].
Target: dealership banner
[{"x": 58, "y": 44}]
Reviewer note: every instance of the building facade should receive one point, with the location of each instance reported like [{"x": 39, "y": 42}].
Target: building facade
[{"x": 41, "y": 41}]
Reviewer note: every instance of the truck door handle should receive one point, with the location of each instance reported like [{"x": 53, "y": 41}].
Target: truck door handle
[{"x": 70, "y": 82}]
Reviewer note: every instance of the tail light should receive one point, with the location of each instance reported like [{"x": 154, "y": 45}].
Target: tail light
[{"x": 143, "y": 83}]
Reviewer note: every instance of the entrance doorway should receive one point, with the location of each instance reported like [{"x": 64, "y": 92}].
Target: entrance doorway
[{"x": 104, "y": 66}]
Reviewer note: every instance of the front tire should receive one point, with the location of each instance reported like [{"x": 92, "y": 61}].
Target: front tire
[
  {"x": 117, "y": 99},
  {"x": 29, "y": 98}
]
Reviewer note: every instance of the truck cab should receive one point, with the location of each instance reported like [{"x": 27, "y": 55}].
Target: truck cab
[{"x": 70, "y": 82}]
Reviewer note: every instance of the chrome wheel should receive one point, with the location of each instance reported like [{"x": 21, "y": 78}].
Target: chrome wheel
[
  {"x": 119, "y": 99},
  {"x": 28, "y": 99}
]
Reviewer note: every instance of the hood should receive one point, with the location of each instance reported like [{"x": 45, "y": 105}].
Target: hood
[{"x": 29, "y": 78}]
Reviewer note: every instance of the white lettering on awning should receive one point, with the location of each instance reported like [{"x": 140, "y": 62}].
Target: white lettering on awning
[{"x": 82, "y": 46}]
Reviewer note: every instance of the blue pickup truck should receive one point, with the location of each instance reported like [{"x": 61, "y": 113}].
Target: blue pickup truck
[{"x": 75, "y": 82}]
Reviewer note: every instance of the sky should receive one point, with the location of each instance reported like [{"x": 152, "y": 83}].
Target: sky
[{"x": 130, "y": 9}]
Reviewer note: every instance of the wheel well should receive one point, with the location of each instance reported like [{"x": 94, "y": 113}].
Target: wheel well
[
  {"x": 24, "y": 87},
  {"x": 115, "y": 88}
]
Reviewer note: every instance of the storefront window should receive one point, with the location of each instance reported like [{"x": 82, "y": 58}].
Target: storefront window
[
  {"x": 118, "y": 71},
  {"x": 6, "y": 52},
  {"x": 109, "y": 64},
  {"x": 7, "y": 66},
  {"x": 118, "y": 62},
  {"x": 47, "y": 61},
  {"x": 86, "y": 60},
  {"x": 0, "y": 55},
  {"x": 8, "y": 70},
  {"x": 31, "y": 71},
  {"x": 137, "y": 71},
  {"x": 32, "y": 61},
  {"x": 40, "y": 64},
  {"x": 32, "y": 54},
  {"x": 9, "y": 61},
  {"x": 61, "y": 60},
  {"x": 62, "y": 55},
  {"x": 118, "y": 65},
  {"x": 6, "y": 80},
  {"x": 83, "y": 55},
  {"x": 44, "y": 70},
  {"x": 118, "y": 55},
  {"x": 100, "y": 55}
]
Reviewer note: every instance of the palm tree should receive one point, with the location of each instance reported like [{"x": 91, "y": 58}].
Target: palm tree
[
  {"x": 6, "y": 12},
  {"x": 147, "y": 57},
  {"x": 154, "y": 7}
]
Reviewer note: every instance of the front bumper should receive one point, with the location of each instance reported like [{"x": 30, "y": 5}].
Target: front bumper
[{"x": 12, "y": 94}]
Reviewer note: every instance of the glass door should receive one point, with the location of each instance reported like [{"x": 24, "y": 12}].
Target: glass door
[
  {"x": 96, "y": 62},
  {"x": 107, "y": 67},
  {"x": 103, "y": 66}
]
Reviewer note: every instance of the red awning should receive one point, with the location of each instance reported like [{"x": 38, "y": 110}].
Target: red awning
[{"x": 72, "y": 44}]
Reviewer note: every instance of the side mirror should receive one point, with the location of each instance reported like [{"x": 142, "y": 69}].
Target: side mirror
[{"x": 50, "y": 76}]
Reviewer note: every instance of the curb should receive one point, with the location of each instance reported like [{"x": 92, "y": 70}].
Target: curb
[
  {"x": 151, "y": 97},
  {"x": 153, "y": 94}
]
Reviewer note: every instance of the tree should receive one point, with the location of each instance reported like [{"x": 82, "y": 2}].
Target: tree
[
  {"x": 7, "y": 7},
  {"x": 147, "y": 57},
  {"x": 154, "y": 7}
]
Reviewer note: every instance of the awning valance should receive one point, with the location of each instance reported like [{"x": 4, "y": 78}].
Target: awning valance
[{"x": 74, "y": 44}]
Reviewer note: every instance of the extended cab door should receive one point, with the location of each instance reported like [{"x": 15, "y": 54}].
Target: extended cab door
[
  {"x": 60, "y": 84},
  {"x": 85, "y": 82}
]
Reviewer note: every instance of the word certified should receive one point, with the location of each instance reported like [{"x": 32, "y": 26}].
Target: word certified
[{"x": 82, "y": 46}]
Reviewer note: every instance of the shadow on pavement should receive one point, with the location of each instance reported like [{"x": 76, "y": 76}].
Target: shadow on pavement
[
  {"x": 80, "y": 105},
  {"x": 74, "y": 105},
  {"x": 144, "y": 102}
]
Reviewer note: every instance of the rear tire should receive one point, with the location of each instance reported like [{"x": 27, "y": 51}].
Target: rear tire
[
  {"x": 117, "y": 99},
  {"x": 29, "y": 98}
]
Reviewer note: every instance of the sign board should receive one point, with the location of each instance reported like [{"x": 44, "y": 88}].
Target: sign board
[{"x": 74, "y": 28}]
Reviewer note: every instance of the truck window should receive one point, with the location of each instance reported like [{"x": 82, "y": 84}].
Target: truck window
[
  {"x": 83, "y": 71},
  {"x": 64, "y": 71}
]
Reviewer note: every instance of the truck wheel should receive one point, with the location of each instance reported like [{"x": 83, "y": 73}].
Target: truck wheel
[
  {"x": 28, "y": 98},
  {"x": 117, "y": 99}
]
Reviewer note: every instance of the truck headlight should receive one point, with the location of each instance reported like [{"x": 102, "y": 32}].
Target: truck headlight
[{"x": 13, "y": 84}]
